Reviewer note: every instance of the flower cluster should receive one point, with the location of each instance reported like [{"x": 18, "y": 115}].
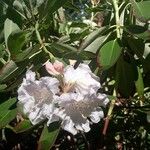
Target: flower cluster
[{"x": 71, "y": 96}]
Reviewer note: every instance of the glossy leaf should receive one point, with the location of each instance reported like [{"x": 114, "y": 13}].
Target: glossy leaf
[
  {"x": 8, "y": 112},
  {"x": 138, "y": 49},
  {"x": 63, "y": 47},
  {"x": 92, "y": 36},
  {"x": 126, "y": 75},
  {"x": 48, "y": 136},
  {"x": 2, "y": 86},
  {"x": 109, "y": 54},
  {"x": 28, "y": 53},
  {"x": 146, "y": 65},
  {"x": 49, "y": 7},
  {"x": 7, "y": 69},
  {"x": 141, "y": 10},
  {"x": 16, "y": 41},
  {"x": 139, "y": 83},
  {"x": 96, "y": 44},
  {"x": 9, "y": 27},
  {"x": 23, "y": 126}
]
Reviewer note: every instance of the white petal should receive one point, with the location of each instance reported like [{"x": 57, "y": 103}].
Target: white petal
[
  {"x": 85, "y": 82},
  {"x": 36, "y": 97},
  {"x": 33, "y": 116},
  {"x": 79, "y": 127},
  {"x": 68, "y": 125},
  {"x": 51, "y": 83},
  {"x": 103, "y": 98},
  {"x": 96, "y": 116},
  {"x": 86, "y": 126},
  {"x": 30, "y": 76}
]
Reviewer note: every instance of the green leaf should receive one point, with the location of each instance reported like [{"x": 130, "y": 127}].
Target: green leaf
[
  {"x": 146, "y": 65},
  {"x": 83, "y": 55},
  {"x": 141, "y": 10},
  {"x": 109, "y": 54},
  {"x": 126, "y": 75},
  {"x": 23, "y": 126},
  {"x": 9, "y": 27},
  {"x": 92, "y": 37},
  {"x": 138, "y": 49},
  {"x": 49, "y": 7},
  {"x": 63, "y": 47},
  {"x": 28, "y": 53},
  {"x": 138, "y": 31},
  {"x": 8, "y": 112},
  {"x": 2, "y": 86},
  {"x": 16, "y": 41},
  {"x": 7, "y": 69},
  {"x": 11, "y": 71},
  {"x": 48, "y": 136},
  {"x": 139, "y": 84},
  {"x": 96, "y": 44}
]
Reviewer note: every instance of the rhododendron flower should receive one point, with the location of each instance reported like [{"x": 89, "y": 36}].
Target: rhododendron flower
[
  {"x": 81, "y": 79},
  {"x": 72, "y": 98},
  {"x": 36, "y": 97},
  {"x": 54, "y": 69},
  {"x": 75, "y": 110}
]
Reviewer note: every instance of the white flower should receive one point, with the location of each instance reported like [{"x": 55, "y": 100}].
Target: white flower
[
  {"x": 36, "y": 97},
  {"x": 81, "y": 79},
  {"x": 75, "y": 111}
]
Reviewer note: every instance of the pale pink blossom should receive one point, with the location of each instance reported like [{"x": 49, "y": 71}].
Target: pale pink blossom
[{"x": 54, "y": 69}]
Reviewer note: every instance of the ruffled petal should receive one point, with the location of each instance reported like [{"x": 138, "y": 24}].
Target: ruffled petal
[
  {"x": 96, "y": 116},
  {"x": 84, "y": 81},
  {"x": 68, "y": 125},
  {"x": 36, "y": 97},
  {"x": 78, "y": 110}
]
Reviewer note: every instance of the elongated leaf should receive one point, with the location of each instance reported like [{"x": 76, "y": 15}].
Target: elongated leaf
[
  {"x": 96, "y": 44},
  {"x": 2, "y": 86},
  {"x": 8, "y": 111},
  {"x": 92, "y": 36},
  {"x": 126, "y": 75},
  {"x": 109, "y": 54},
  {"x": 50, "y": 6},
  {"x": 63, "y": 47},
  {"x": 146, "y": 65},
  {"x": 48, "y": 136},
  {"x": 141, "y": 10},
  {"x": 23, "y": 126},
  {"x": 16, "y": 41},
  {"x": 138, "y": 31},
  {"x": 7, "y": 69},
  {"x": 138, "y": 49},
  {"x": 28, "y": 53},
  {"x": 139, "y": 84},
  {"x": 9, "y": 27}
]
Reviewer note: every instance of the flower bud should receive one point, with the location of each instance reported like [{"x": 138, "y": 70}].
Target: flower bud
[{"x": 54, "y": 69}]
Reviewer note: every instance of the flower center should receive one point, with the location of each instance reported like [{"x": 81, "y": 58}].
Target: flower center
[{"x": 67, "y": 87}]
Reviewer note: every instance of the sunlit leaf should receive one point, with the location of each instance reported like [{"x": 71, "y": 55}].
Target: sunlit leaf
[
  {"x": 7, "y": 69},
  {"x": 8, "y": 112},
  {"x": 50, "y": 6},
  {"x": 141, "y": 10},
  {"x": 92, "y": 36},
  {"x": 139, "y": 83},
  {"x": 9, "y": 27},
  {"x": 48, "y": 136},
  {"x": 109, "y": 54},
  {"x": 96, "y": 44},
  {"x": 16, "y": 41},
  {"x": 23, "y": 126}
]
